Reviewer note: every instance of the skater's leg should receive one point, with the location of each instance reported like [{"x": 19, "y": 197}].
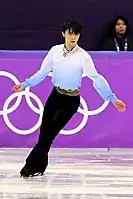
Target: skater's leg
[
  {"x": 66, "y": 109},
  {"x": 65, "y": 113},
  {"x": 49, "y": 113}
]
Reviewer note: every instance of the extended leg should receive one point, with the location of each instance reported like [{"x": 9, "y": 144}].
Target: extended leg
[{"x": 67, "y": 107}]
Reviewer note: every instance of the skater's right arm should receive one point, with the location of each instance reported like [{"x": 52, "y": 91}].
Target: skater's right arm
[{"x": 39, "y": 76}]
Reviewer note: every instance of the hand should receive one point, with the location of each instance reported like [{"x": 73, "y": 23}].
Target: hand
[
  {"x": 17, "y": 88},
  {"x": 120, "y": 105}
]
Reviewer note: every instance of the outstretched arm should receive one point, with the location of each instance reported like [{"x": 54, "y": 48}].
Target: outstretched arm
[
  {"x": 100, "y": 83},
  {"x": 40, "y": 75}
]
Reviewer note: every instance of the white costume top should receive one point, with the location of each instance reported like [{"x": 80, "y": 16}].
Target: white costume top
[{"x": 67, "y": 70}]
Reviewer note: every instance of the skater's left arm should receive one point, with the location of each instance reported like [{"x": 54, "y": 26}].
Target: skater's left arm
[{"x": 100, "y": 83}]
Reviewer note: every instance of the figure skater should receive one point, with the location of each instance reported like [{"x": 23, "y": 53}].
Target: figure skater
[{"x": 67, "y": 62}]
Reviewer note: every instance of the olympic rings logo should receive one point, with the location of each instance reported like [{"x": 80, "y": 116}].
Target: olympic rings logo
[{"x": 85, "y": 112}]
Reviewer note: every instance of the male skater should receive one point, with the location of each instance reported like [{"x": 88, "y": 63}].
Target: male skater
[{"x": 67, "y": 62}]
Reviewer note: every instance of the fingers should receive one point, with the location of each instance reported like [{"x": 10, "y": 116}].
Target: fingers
[
  {"x": 17, "y": 88},
  {"x": 14, "y": 88},
  {"x": 122, "y": 107},
  {"x": 122, "y": 103}
]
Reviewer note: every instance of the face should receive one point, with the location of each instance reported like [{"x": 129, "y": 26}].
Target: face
[
  {"x": 71, "y": 39},
  {"x": 120, "y": 27}
]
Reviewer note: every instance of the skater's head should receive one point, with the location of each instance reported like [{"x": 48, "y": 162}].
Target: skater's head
[{"x": 71, "y": 31}]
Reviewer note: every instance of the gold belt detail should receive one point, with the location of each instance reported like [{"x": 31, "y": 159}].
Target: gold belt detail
[{"x": 68, "y": 92}]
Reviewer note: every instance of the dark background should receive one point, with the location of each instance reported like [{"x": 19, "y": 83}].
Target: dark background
[{"x": 34, "y": 25}]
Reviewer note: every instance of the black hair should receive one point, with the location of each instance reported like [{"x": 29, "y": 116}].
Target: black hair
[
  {"x": 73, "y": 26},
  {"x": 112, "y": 27}
]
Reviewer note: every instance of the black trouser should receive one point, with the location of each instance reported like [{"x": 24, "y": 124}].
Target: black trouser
[{"x": 58, "y": 110}]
